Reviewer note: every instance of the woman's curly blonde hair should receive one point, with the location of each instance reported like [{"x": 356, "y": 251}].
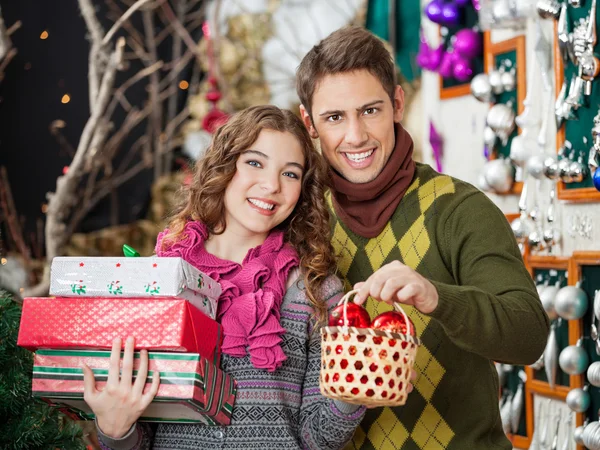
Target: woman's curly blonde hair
[{"x": 307, "y": 227}]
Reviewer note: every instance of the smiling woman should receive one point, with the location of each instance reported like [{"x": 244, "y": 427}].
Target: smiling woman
[{"x": 254, "y": 219}]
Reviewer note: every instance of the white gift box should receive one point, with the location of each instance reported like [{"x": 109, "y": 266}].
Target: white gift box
[{"x": 134, "y": 277}]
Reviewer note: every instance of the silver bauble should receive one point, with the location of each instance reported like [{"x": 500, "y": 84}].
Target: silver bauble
[
  {"x": 573, "y": 360},
  {"x": 481, "y": 88},
  {"x": 535, "y": 166},
  {"x": 589, "y": 431},
  {"x": 521, "y": 227},
  {"x": 508, "y": 81},
  {"x": 576, "y": 172},
  {"x": 489, "y": 137},
  {"x": 495, "y": 80},
  {"x": 563, "y": 170},
  {"x": 501, "y": 119},
  {"x": 548, "y": 9},
  {"x": 547, "y": 297},
  {"x": 519, "y": 151},
  {"x": 593, "y": 374},
  {"x": 499, "y": 175},
  {"x": 540, "y": 287},
  {"x": 577, "y": 435},
  {"x": 571, "y": 303},
  {"x": 482, "y": 183},
  {"x": 578, "y": 400},
  {"x": 551, "y": 168}
]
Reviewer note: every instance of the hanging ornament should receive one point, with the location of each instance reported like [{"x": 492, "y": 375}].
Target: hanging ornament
[
  {"x": 571, "y": 302},
  {"x": 578, "y": 399},
  {"x": 424, "y": 54},
  {"x": 467, "y": 43},
  {"x": 547, "y": 297},
  {"x": 437, "y": 145},
  {"x": 215, "y": 117},
  {"x": 551, "y": 356},
  {"x": 574, "y": 359}
]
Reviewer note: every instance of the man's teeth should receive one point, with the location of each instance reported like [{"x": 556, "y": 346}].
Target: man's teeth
[
  {"x": 262, "y": 205},
  {"x": 357, "y": 157}
]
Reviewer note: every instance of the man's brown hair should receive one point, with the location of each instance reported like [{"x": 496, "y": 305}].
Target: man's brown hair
[{"x": 345, "y": 50}]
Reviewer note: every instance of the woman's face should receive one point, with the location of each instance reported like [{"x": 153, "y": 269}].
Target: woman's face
[{"x": 266, "y": 185}]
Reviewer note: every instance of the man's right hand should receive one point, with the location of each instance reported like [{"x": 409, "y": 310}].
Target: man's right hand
[{"x": 120, "y": 404}]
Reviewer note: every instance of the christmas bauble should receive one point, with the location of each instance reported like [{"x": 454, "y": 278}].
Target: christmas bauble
[
  {"x": 435, "y": 57},
  {"x": 499, "y": 175},
  {"x": 467, "y": 43},
  {"x": 462, "y": 69},
  {"x": 571, "y": 303},
  {"x": 547, "y": 297},
  {"x": 481, "y": 88},
  {"x": 445, "y": 68},
  {"x": 433, "y": 11},
  {"x": 596, "y": 179},
  {"x": 450, "y": 14},
  {"x": 573, "y": 360},
  {"x": 393, "y": 322},
  {"x": 357, "y": 316},
  {"x": 578, "y": 400},
  {"x": 551, "y": 168}
]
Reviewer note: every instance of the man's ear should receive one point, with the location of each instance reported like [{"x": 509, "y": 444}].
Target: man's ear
[
  {"x": 308, "y": 123},
  {"x": 398, "y": 104}
]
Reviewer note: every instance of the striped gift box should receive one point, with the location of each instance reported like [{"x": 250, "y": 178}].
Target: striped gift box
[{"x": 192, "y": 390}]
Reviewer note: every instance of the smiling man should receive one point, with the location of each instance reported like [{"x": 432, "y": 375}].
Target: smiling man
[{"x": 405, "y": 233}]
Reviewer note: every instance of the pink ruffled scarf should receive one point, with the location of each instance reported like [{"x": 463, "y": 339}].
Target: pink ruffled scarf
[{"x": 249, "y": 306}]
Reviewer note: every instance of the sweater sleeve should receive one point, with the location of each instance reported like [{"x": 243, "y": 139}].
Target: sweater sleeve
[
  {"x": 493, "y": 309},
  {"x": 325, "y": 424},
  {"x": 138, "y": 438}
]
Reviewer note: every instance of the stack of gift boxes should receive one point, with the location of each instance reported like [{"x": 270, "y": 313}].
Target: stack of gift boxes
[{"x": 165, "y": 303}]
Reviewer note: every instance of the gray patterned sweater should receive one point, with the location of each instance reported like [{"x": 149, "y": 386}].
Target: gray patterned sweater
[{"x": 283, "y": 409}]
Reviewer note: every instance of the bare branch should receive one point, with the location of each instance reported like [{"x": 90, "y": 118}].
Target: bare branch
[
  {"x": 133, "y": 8},
  {"x": 155, "y": 123},
  {"x": 64, "y": 144},
  {"x": 172, "y": 102},
  {"x": 12, "y": 219}
]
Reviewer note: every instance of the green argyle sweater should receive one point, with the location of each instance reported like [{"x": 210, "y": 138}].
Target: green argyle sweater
[{"x": 489, "y": 310}]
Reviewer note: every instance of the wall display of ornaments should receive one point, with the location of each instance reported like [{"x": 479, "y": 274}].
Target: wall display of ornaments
[
  {"x": 584, "y": 274},
  {"x": 512, "y": 403},
  {"x": 576, "y": 107},
  {"x": 503, "y": 86},
  {"x": 459, "y": 55}
]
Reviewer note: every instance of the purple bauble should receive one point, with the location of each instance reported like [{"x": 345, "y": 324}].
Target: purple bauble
[
  {"x": 476, "y": 5},
  {"x": 467, "y": 43},
  {"x": 435, "y": 57},
  {"x": 424, "y": 54},
  {"x": 433, "y": 10},
  {"x": 445, "y": 69},
  {"x": 462, "y": 69},
  {"x": 461, "y": 3},
  {"x": 450, "y": 14},
  {"x": 486, "y": 152},
  {"x": 596, "y": 179}
]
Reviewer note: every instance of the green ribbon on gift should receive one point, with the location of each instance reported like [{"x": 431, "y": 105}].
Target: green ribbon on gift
[{"x": 129, "y": 251}]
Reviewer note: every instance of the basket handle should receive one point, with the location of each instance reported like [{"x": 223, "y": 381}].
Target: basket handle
[{"x": 397, "y": 306}]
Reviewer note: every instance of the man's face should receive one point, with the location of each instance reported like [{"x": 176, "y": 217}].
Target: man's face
[{"x": 353, "y": 117}]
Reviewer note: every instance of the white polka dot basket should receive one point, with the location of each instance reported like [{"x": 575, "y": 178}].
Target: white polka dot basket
[{"x": 366, "y": 366}]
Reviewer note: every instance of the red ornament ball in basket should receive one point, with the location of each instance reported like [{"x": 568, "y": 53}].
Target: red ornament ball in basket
[
  {"x": 368, "y": 366},
  {"x": 356, "y": 316}
]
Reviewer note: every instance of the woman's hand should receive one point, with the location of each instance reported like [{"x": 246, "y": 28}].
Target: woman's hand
[{"x": 119, "y": 405}]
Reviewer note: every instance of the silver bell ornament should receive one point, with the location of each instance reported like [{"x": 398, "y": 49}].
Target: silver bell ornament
[
  {"x": 547, "y": 297},
  {"x": 578, "y": 399},
  {"x": 499, "y": 175},
  {"x": 593, "y": 374},
  {"x": 571, "y": 302},
  {"x": 573, "y": 359},
  {"x": 495, "y": 80},
  {"x": 563, "y": 170},
  {"x": 481, "y": 88}
]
